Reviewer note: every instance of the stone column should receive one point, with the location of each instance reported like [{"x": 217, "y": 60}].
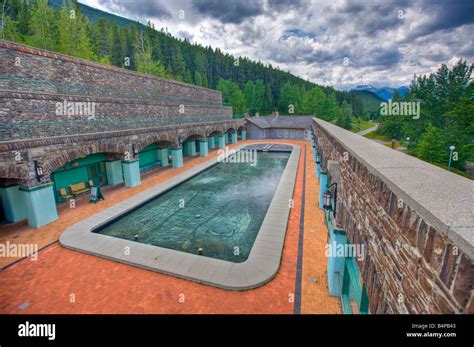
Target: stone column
[
  {"x": 335, "y": 263},
  {"x": 221, "y": 139},
  {"x": 233, "y": 138},
  {"x": 131, "y": 173},
  {"x": 318, "y": 170},
  {"x": 226, "y": 138},
  {"x": 203, "y": 148},
  {"x": 211, "y": 142},
  {"x": 163, "y": 156},
  {"x": 190, "y": 148},
  {"x": 177, "y": 157},
  {"x": 323, "y": 180},
  {"x": 12, "y": 201},
  {"x": 243, "y": 135},
  {"x": 40, "y": 205},
  {"x": 114, "y": 172}
]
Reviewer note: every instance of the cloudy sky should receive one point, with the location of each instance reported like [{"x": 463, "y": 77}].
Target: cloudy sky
[{"x": 332, "y": 42}]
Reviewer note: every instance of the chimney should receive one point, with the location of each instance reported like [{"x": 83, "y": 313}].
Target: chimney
[{"x": 257, "y": 114}]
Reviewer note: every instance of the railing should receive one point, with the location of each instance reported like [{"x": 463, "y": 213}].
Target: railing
[
  {"x": 31, "y": 85},
  {"x": 35, "y": 130}
]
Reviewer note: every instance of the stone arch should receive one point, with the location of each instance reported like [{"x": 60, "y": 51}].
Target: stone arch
[
  {"x": 163, "y": 137},
  {"x": 197, "y": 133},
  {"x": 216, "y": 132},
  {"x": 68, "y": 155}
]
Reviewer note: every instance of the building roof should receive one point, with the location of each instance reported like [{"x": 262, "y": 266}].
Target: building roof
[{"x": 282, "y": 122}]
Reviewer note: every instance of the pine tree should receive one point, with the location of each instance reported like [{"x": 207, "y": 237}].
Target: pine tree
[
  {"x": 73, "y": 39},
  {"x": 117, "y": 58},
  {"x": 146, "y": 64},
  {"x": 43, "y": 26},
  {"x": 197, "y": 79},
  {"x": 103, "y": 38},
  {"x": 178, "y": 65},
  {"x": 24, "y": 18}
]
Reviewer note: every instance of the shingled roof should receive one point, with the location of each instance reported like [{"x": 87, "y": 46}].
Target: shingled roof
[{"x": 282, "y": 122}]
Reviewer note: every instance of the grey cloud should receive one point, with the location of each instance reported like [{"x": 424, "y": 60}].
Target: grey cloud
[
  {"x": 281, "y": 5},
  {"x": 134, "y": 8},
  {"x": 444, "y": 15},
  {"x": 186, "y": 35},
  {"x": 229, "y": 11}
]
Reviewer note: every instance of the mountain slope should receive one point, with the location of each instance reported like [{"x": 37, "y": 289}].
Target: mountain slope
[
  {"x": 371, "y": 101},
  {"x": 385, "y": 93},
  {"x": 94, "y": 14}
]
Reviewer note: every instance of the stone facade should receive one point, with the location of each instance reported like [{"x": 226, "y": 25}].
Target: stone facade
[
  {"x": 32, "y": 107},
  {"x": 31, "y": 63},
  {"x": 17, "y": 157},
  {"x": 131, "y": 110},
  {"x": 411, "y": 266}
]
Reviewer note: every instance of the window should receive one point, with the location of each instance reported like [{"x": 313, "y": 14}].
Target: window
[{"x": 285, "y": 133}]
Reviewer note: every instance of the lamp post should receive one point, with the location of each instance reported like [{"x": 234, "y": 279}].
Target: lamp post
[
  {"x": 451, "y": 150},
  {"x": 328, "y": 197}
]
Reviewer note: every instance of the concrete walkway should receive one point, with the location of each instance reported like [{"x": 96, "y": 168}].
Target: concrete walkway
[{"x": 366, "y": 131}]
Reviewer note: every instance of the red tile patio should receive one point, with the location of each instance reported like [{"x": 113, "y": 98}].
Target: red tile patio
[{"x": 65, "y": 281}]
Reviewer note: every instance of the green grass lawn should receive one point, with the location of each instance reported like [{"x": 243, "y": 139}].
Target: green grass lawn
[
  {"x": 359, "y": 124},
  {"x": 374, "y": 135}
]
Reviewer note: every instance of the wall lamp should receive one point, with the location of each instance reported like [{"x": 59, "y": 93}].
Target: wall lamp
[
  {"x": 38, "y": 170},
  {"x": 329, "y": 197},
  {"x": 134, "y": 150},
  {"x": 318, "y": 158}
]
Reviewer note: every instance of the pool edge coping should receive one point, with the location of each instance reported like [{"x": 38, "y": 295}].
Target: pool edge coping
[{"x": 261, "y": 266}]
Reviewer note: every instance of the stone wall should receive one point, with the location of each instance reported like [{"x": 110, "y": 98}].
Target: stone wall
[
  {"x": 419, "y": 257},
  {"x": 32, "y": 107},
  {"x": 31, "y": 63},
  {"x": 129, "y": 109},
  {"x": 16, "y": 158}
]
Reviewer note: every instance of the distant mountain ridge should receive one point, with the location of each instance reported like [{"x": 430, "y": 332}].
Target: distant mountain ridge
[
  {"x": 94, "y": 14},
  {"x": 385, "y": 93}
]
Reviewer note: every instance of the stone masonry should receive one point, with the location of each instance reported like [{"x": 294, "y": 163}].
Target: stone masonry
[
  {"x": 132, "y": 110},
  {"x": 418, "y": 236},
  {"x": 27, "y": 62}
]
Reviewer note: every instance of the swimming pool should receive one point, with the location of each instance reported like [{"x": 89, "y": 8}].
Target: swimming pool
[
  {"x": 216, "y": 213},
  {"x": 239, "y": 220}
]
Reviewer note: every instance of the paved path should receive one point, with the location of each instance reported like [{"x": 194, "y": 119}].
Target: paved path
[{"x": 366, "y": 131}]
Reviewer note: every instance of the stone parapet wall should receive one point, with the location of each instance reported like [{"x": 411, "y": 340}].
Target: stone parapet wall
[
  {"x": 418, "y": 249},
  {"x": 32, "y": 63}
]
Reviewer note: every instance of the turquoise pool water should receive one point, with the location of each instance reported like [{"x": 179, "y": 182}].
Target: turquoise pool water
[{"x": 216, "y": 213}]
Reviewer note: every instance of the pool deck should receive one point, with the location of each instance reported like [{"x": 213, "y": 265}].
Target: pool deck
[
  {"x": 260, "y": 267},
  {"x": 66, "y": 281}
]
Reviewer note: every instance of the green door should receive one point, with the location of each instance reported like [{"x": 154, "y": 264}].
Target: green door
[{"x": 97, "y": 173}]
